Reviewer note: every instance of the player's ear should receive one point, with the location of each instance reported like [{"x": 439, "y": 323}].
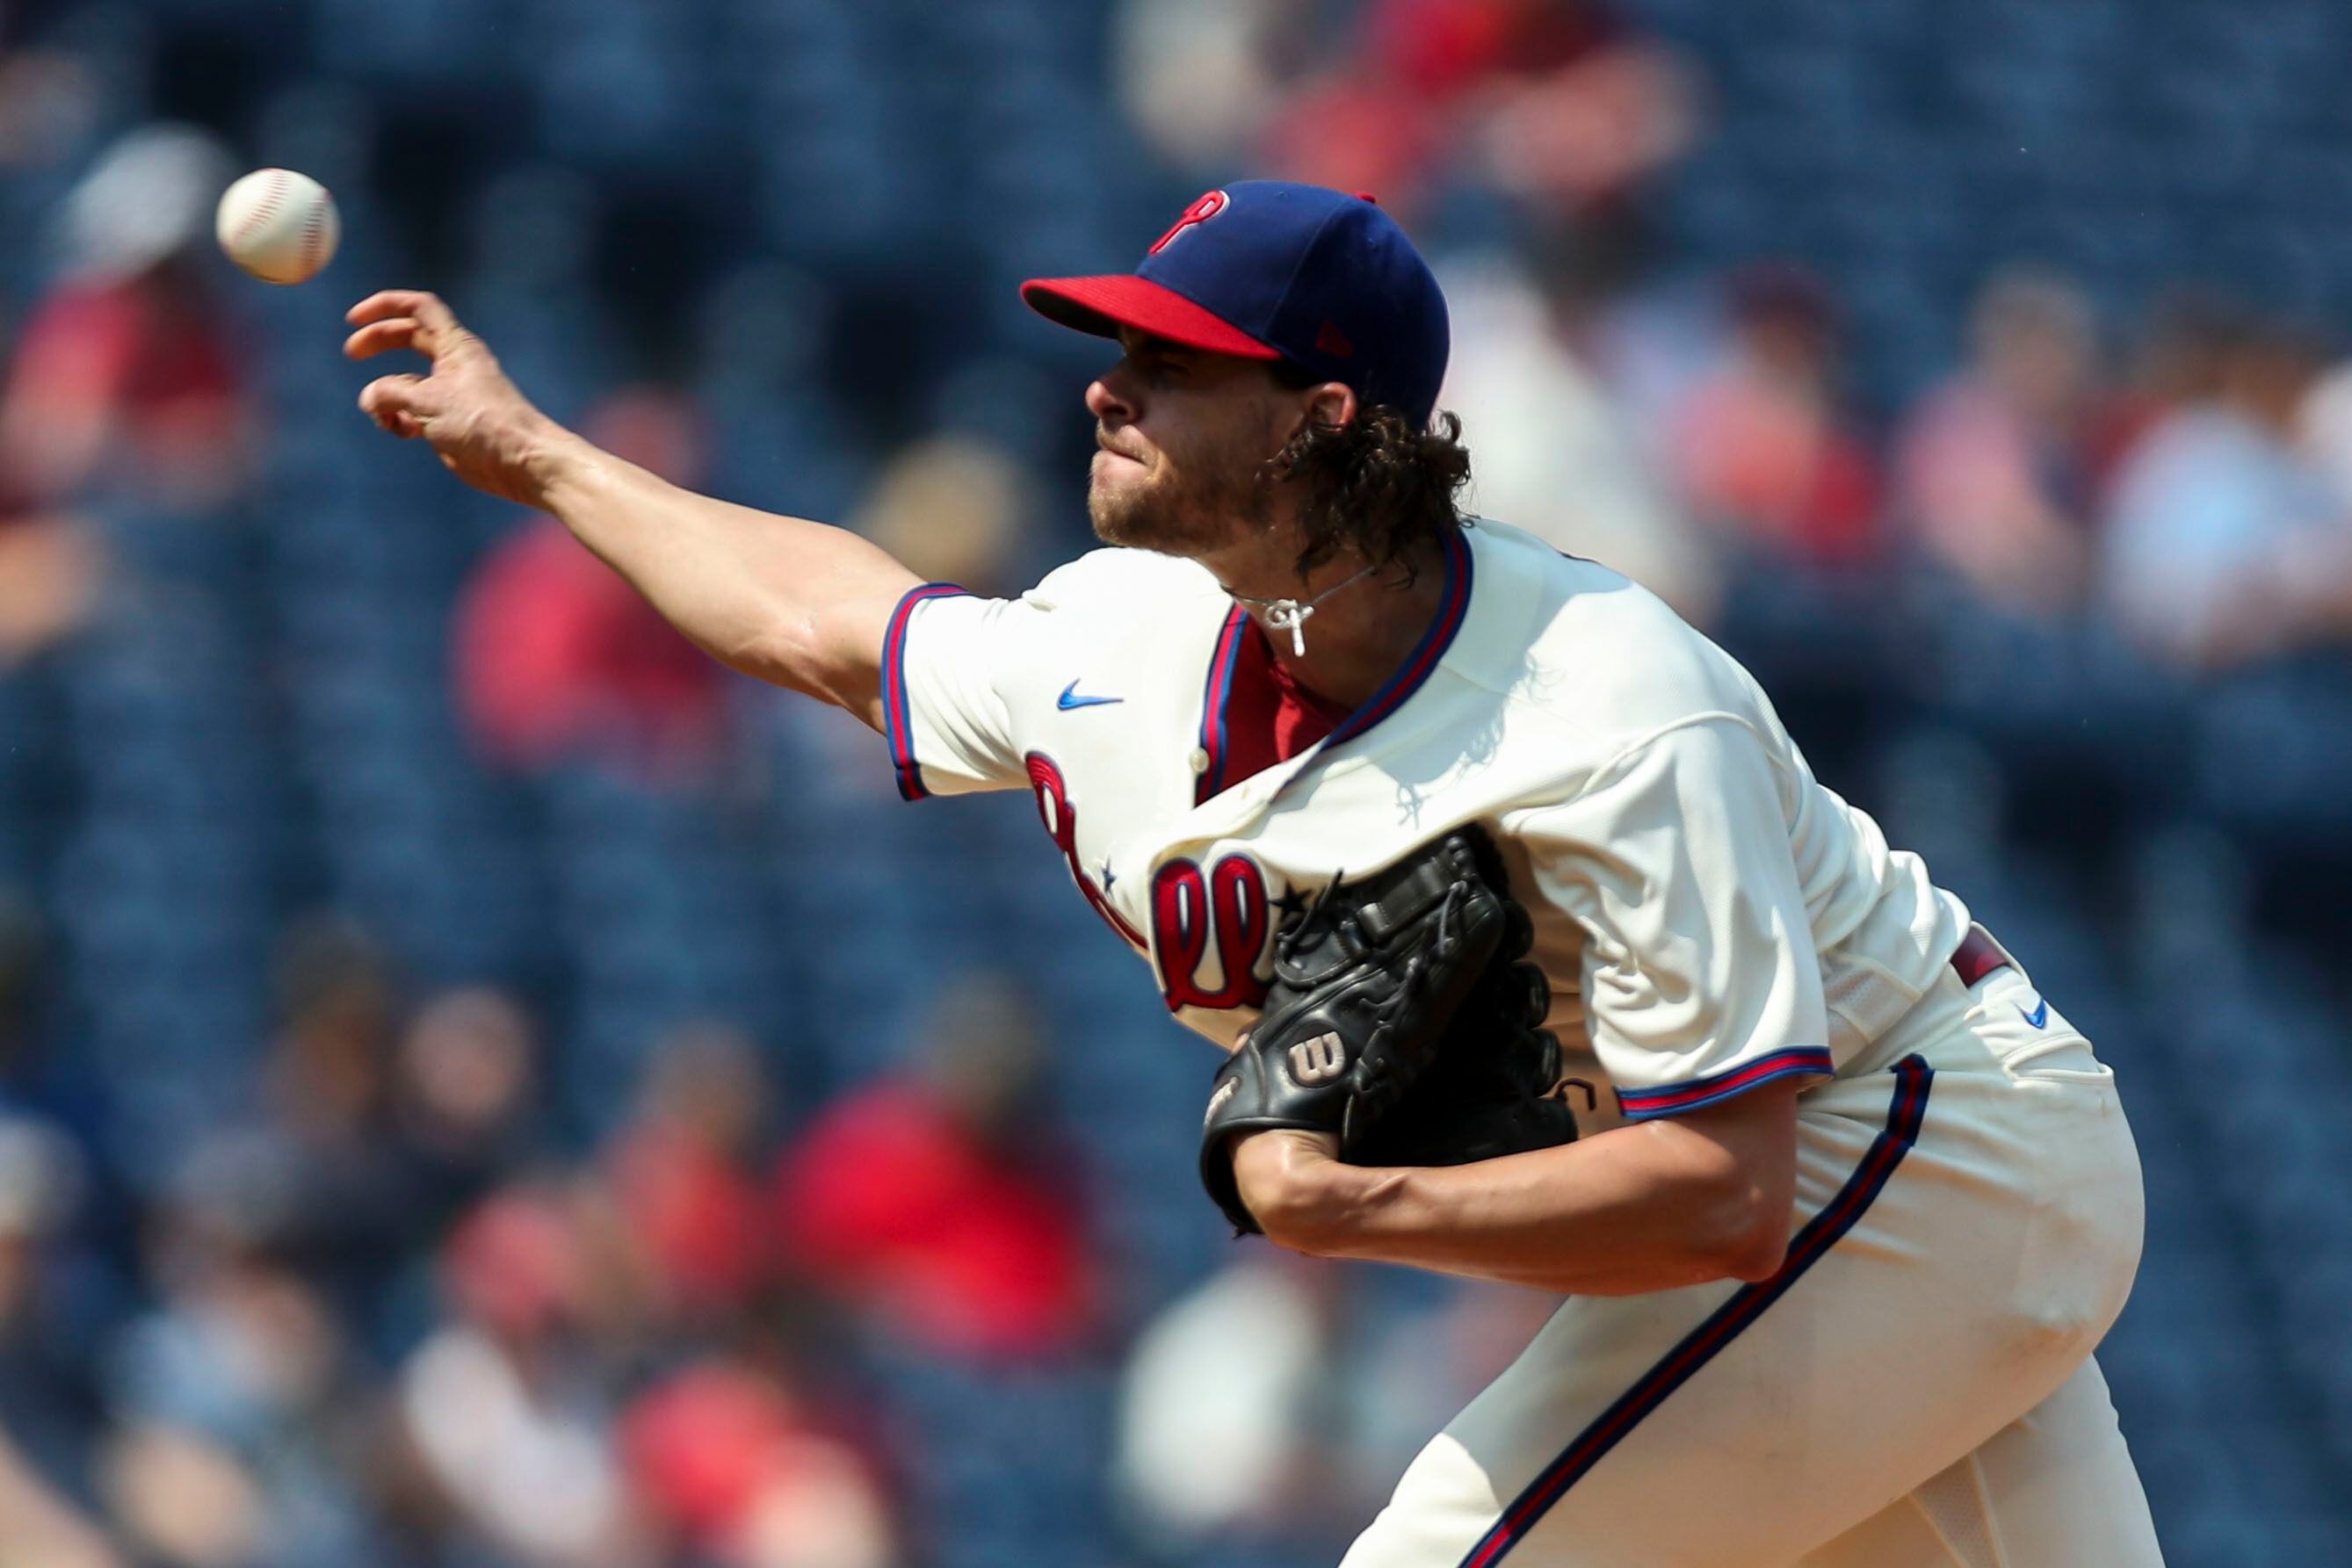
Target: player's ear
[{"x": 1331, "y": 404}]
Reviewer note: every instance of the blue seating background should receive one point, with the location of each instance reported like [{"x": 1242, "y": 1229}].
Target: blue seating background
[{"x": 819, "y": 205}]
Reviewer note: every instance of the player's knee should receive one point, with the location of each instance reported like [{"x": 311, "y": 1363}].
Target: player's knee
[{"x": 2059, "y": 1329}]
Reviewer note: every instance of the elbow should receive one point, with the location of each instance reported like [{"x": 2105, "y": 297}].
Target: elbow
[
  {"x": 1735, "y": 1217},
  {"x": 1746, "y": 1234},
  {"x": 1757, "y": 1257},
  {"x": 782, "y": 653},
  {"x": 766, "y": 651},
  {"x": 1736, "y": 1166}
]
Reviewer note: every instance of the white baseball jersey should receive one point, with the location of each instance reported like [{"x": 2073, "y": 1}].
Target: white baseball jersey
[
  {"x": 1912, "y": 1388},
  {"x": 1709, "y": 915}
]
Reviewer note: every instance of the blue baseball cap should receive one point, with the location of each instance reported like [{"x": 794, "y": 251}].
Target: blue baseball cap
[{"x": 1268, "y": 269}]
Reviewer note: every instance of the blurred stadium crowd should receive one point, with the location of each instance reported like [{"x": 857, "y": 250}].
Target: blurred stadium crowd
[{"x": 479, "y": 1087}]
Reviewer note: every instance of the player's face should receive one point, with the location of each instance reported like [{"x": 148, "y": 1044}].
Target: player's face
[{"x": 1183, "y": 434}]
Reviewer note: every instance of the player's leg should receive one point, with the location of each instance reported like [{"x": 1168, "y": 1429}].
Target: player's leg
[
  {"x": 2054, "y": 1489},
  {"x": 1611, "y": 1444},
  {"x": 1983, "y": 1224}
]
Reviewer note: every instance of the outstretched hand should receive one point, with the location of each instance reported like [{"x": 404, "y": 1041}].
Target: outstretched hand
[{"x": 487, "y": 434}]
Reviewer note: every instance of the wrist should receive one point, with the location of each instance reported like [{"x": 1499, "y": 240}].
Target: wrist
[
  {"x": 557, "y": 465},
  {"x": 1294, "y": 1187}
]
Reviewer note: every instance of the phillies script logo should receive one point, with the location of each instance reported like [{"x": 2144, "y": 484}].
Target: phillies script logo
[
  {"x": 1203, "y": 209},
  {"x": 1060, "y": 819},
  {"x": 1210, "y": 929}
]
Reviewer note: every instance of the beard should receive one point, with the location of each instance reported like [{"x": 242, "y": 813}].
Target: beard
[{"x": 1179, "y": 510}]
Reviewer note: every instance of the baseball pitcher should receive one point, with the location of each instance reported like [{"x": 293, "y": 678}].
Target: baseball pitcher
[{"x": 1536, "y": 950}]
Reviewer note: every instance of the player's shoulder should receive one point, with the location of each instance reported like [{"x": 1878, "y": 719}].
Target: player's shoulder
[
  {"x": 1588, "y": 645},
  {"x": 1126, "y": 609},
  {"x": 1127, "y": 584}
]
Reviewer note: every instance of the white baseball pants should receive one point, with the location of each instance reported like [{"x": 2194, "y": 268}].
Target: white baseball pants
[{"x": 1914, "y": 1389}]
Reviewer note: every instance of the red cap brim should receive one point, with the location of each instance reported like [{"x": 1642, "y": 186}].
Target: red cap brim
[{"x": 1103, "y": 305}]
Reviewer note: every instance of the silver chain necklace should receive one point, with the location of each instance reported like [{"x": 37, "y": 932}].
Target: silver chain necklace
[{"x": 1290, "y": 615}]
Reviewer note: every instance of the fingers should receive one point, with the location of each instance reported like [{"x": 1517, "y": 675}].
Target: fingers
[
  {"x": 393, "y": 402},
  {"x": 388, "y": 302},
  {"x": 380, "y": 336},
  {"x": 413, "y": 317}
]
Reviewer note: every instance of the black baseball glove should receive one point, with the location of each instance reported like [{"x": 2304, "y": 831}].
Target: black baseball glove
[{"x": 1400, "y": 1020}]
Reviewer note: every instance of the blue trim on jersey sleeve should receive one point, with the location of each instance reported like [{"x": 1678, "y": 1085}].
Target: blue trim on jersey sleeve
[
  {"x": 898, "y": 725},
  {"x": 1673, "y": 1098}
]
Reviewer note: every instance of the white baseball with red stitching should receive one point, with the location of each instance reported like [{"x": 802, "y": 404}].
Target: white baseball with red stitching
[{"x": 278, "y": 225}]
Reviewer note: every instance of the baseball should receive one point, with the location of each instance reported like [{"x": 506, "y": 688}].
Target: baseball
[{"x": 278, "y": 225}]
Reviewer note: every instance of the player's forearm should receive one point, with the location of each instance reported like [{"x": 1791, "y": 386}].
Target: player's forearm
[
  {"x": 795, "y": 602},
  {"x": 1641, "y": 1208}
]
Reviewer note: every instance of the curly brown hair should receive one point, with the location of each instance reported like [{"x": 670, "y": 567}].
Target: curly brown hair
[{"x": 1380, "y": 485}]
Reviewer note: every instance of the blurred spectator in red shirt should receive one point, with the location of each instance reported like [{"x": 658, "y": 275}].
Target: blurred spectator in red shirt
[
  {"x": 1357, "y": 128},
  {"x": 1759, "y": 445},
  {"x": 557, "y": 658},
  {"x": 1560, "y": 100},
  {"x": 930, "y": 1200},
  {"x": 125, "y": 371},
  {"x": 1570, "y": 108},
  {"x": 1994, "y": 470},
  {"x": 723, "y": 1458},
  {"x": 1446, "y": 49},
  {"x": 123, "y": 376},
  {"x": 681, "y": 1170},
  {"x": 1554, "y": 101},
  {"x": 504, "y": 1408}
]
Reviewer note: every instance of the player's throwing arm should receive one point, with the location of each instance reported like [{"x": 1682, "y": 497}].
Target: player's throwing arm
[{"x": 794, "y": 603}]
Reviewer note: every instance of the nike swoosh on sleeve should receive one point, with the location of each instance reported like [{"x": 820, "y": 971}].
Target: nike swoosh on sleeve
[{"x": 1070, "y": 699}]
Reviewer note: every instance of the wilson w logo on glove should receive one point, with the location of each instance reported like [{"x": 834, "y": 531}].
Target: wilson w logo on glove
[
  {"x": 1317, "y": 1061},
  {"x": 1401, "y": 1021}
]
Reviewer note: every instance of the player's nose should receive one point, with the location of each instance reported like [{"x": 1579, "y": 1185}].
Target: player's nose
[{"x": 1110, "y": 404}]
